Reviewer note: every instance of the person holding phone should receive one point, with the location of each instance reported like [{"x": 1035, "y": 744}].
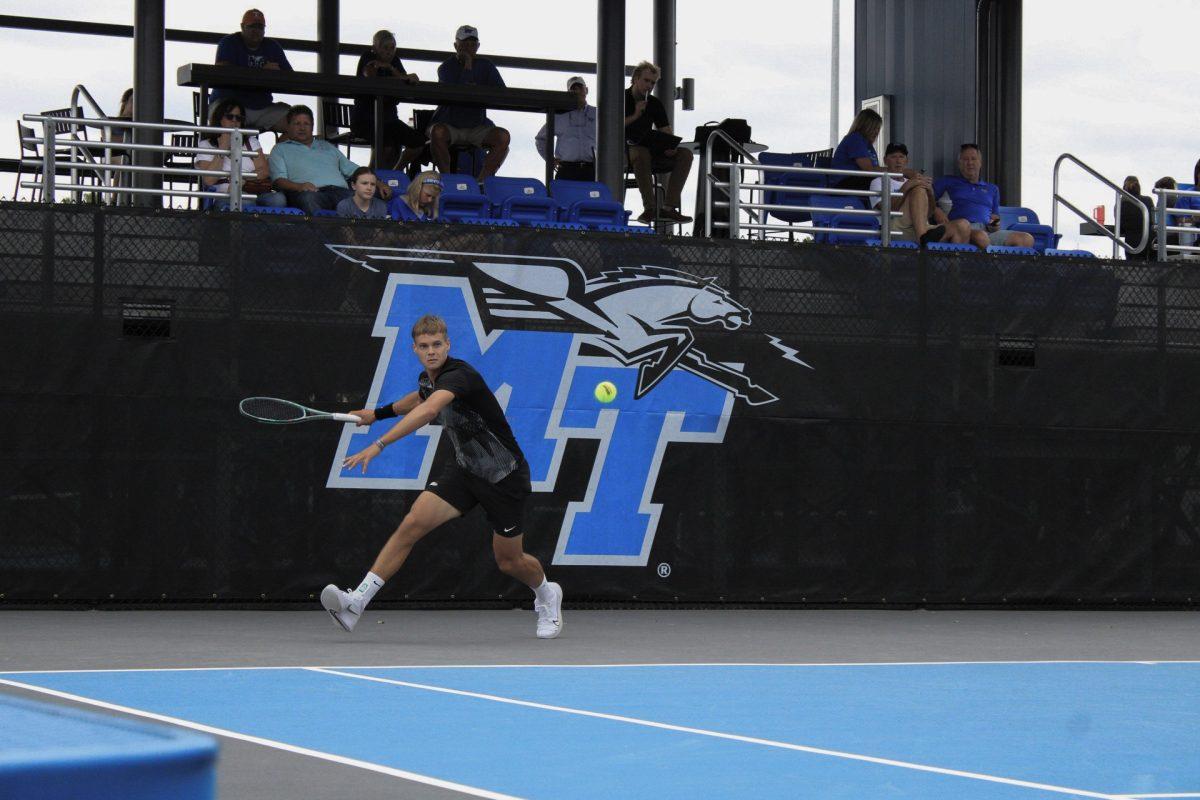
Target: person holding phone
[{"x": 976, "y": 201}]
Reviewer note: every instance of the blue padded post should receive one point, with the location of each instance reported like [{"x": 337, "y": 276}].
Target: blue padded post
[
  {"x": 54, "y": 752},
  {"x": 1069, "y": 253},
  {"x": 952, "y": 247},
  {"x": 1000, "y": 249}
]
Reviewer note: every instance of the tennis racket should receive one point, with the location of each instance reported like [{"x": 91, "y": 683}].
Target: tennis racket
[{"x": 274, "y": 411}]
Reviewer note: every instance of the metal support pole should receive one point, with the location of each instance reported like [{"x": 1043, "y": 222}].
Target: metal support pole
[
  {"x": 328, "y": 39},
  {"x": 835, "y": 74},
  {"x": 235, "y": 170},
  {"x": 664, "y": 55},
  {"x": 885, "y": 209},
  {"x": 149, "y": 30},
  {"x": 1161, "y": 238},
  {"x": 550, "y": 115},
  {"x": 49, "y": 166},
  {"x": 735, "y": 191},
  {"x": 610, "y": 108}
]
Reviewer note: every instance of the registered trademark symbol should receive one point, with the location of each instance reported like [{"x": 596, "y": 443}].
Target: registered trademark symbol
[{"x": 664, "y": 569}]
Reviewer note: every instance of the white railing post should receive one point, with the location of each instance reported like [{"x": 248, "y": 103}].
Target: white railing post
[
  {"x": 1161, "y": 224},
  {"x": 885, "y": 209},
  {"x": 735, "y": 188}
]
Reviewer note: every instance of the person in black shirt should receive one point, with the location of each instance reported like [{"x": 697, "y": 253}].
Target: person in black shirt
[
  {"x": 648, "y": 153},
  {"x": 489, "y": 471},
  {"x": 381, "y": 61}
]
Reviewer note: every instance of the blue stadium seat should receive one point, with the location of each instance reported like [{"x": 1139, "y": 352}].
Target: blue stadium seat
[
  {"x": 521, "y": 199},
  {"x": 461, "y": 199},
  {"x": 792, "y": 179},
  {"x": 394, "y": 178},
  {"x": 999, "y": 249},
  {"x": 587, "y": 202},
  {"x": 1070, "y": 253},
  {"x": 952, "y": 247},
  {"x": 1024, "y": 220},
  {"x": 832, "y": 219},
  {"x": 286, "y": 210},
  {"x": 901, "y": 243}
]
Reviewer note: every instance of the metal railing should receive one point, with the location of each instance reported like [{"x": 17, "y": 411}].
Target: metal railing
[
  {"x": 1121, "y": 197},
  {"x": 1162, "y": 211},
  {"x": 737, "y": 184},
  {"x": 79, "y": 157}
]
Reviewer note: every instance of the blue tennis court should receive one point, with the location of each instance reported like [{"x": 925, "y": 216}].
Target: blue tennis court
[{"x": 914, "y": 730}]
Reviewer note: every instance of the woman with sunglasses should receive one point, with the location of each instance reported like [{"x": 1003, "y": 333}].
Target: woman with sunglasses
[{"x": 228, "y": 113}]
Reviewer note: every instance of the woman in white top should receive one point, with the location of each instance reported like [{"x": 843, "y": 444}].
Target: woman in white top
[{"x": 228, "y": 113}]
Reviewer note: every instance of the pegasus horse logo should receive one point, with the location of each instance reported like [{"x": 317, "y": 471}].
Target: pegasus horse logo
[{"x": 642, "y": 316}]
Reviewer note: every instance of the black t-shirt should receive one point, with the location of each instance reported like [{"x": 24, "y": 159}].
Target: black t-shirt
[
  {"x": 484, "y": 444},
  {"x": 655, "y": 116},
  {"x": 363, "y": 115}
]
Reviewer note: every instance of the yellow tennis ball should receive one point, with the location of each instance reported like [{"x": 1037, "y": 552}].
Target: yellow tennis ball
[{"x": 606, "y": 391}]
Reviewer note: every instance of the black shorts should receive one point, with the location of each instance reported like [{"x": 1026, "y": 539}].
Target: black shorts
[{"x": 503, "y": 502}]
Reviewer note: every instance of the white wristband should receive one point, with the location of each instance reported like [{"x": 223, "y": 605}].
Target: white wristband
[{"x": 379, "y": 443}]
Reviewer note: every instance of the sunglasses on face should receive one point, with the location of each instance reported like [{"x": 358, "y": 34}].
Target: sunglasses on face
[{"x": 234, "y": 117}]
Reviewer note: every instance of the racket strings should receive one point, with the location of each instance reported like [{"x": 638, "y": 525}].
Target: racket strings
[{"x": 270, "y": 409}]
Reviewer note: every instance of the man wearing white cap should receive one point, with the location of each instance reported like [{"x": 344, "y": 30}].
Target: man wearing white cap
[
  {"x": 467, "y": 124},
  {"x": 575, "y": 135}
]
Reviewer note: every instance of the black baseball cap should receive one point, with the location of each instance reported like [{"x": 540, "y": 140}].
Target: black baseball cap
[{"x": 896, "y": 147}]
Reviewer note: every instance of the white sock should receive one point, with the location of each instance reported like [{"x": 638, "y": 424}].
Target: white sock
[
  {"x": 543, "y": 592},
  {"x": 366, "y": 590}
]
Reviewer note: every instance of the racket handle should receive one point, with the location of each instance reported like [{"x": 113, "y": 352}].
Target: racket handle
[{"x": 346, "y": 418}]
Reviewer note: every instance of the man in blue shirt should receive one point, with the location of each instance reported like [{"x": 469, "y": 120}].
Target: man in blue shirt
[
  {"x": 469, "y": 125},
  {"x": 251, "y": 48},
  {"x": 310, "y": 171},
  {"x": 976, "y": 201},
  {"x": 575, "y": 132}
]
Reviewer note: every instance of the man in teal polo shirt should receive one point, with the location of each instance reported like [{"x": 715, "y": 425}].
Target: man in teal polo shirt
[{"x": 310, "y": 171}]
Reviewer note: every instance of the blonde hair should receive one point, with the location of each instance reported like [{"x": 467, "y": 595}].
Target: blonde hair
[
  {"x": 412, "y": 198},
  {"x": 868, "y": 123},
  {"x": 646, "y": 66},
  {"x": 429, "y": 325}
]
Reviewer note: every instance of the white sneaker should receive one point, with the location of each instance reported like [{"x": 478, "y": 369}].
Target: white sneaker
[
  {"x": 340, "y": 606},
  {"x": 550, "y": 621}
]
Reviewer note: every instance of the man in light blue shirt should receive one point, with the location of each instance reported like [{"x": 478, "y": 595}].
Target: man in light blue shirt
[
  {"x": 575, "y": 135},
  {"x": 310, "y": 171}
]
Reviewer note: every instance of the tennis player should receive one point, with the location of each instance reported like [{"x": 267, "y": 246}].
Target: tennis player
[{"x": 489, "y": 470}]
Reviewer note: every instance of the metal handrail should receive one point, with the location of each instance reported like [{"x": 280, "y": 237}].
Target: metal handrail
[
  {"x": 1163, "y": 211},
  {"x": 1121, "y": 194},
  {"x": 80, "y": 156},
  {"x": 735, "y": 186},
  {"x": 80, "y": 89},
  {"x": 706, "y": 165}
]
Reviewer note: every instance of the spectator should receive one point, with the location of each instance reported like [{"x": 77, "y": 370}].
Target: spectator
[
  {"x": 251, "y": 48},
  {"x": 856, "y": 151},
  {"x": 575, "y": 137},
  {"x": 363, "y": 204},
  {"x": 229, "y": 113},
  {"x": 310, "y": 171},
  {"x": 420, "y": 202},
  {"x": 913, "y": 198},
  {"x": 381, "y": 61},
  {"x": 976, "y": 201},
  {"x": 645, "y": 113},
  {"x": 1131, "y": 220},
  {"x": 453, "y": 125}
]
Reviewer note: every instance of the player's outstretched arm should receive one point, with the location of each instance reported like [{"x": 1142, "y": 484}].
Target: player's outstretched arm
[
  {"x": 367, "y": 416},
  {"x": 416, "y": 418}
]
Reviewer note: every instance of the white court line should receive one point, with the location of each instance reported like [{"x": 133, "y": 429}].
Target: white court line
[
  {"x": 304, "y": 751},
  {"x": 728, "y": 736},
  {"x": 1146, "y": 796},
  {"x": 598, "y": 666}
]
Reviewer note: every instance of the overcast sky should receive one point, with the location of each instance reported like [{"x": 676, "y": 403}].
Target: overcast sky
[{"x": 1100, "y": 82}]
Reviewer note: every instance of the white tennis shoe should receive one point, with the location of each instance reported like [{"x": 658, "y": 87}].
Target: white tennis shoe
[
  {"x": 341, "y": 607},
  {"x": 550, "y": 621}
]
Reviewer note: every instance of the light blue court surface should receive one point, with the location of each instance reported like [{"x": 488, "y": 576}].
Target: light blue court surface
[{"x": 955, "y": 730}]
